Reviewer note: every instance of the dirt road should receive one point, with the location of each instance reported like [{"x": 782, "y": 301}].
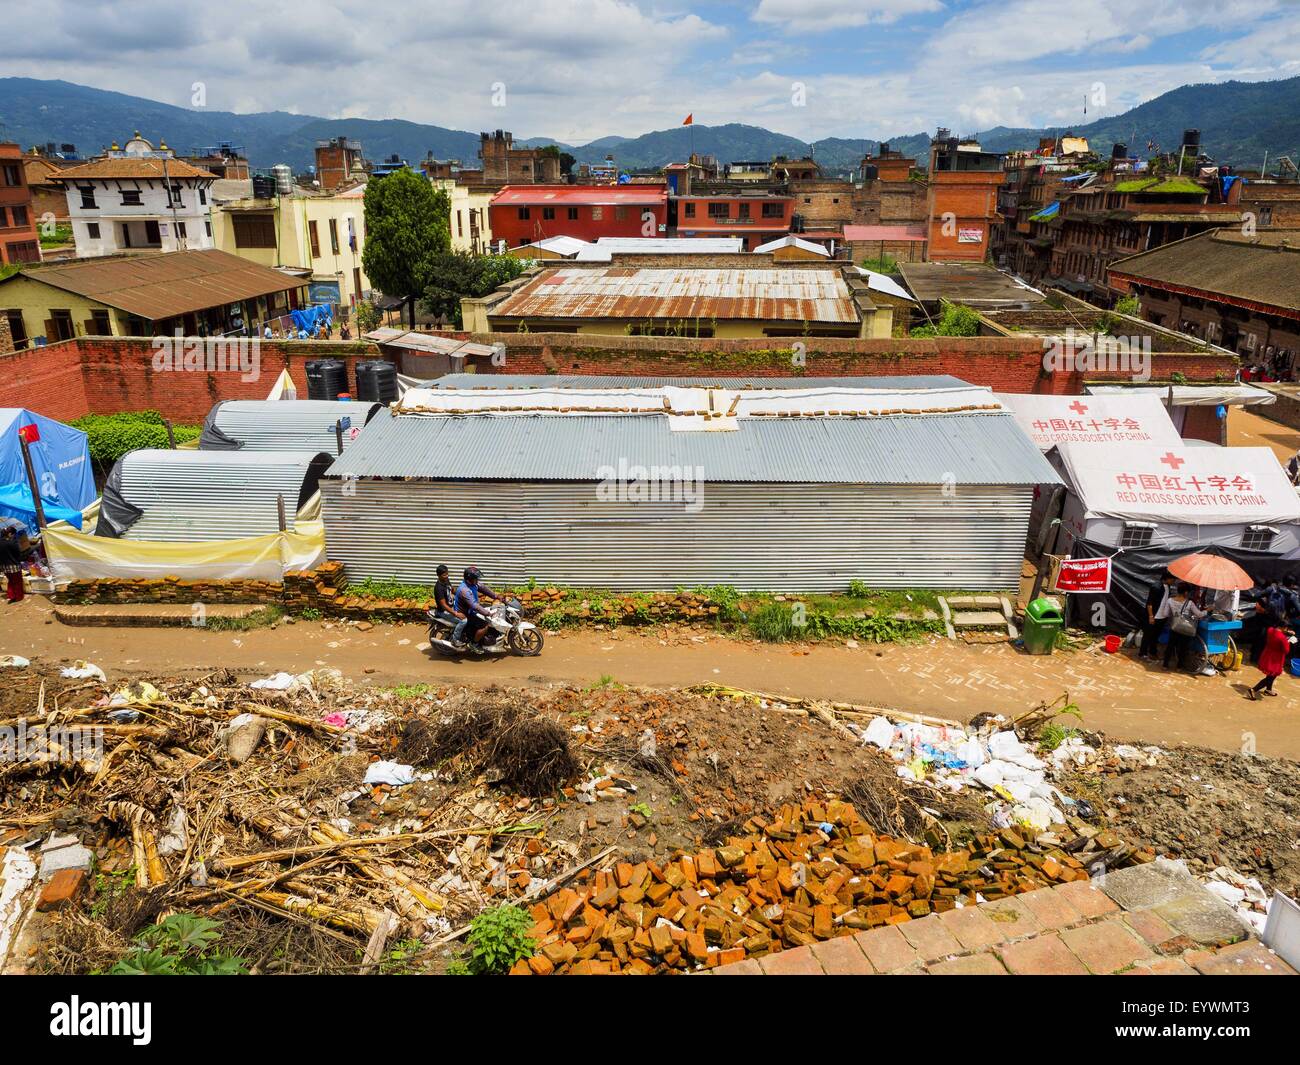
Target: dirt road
[{"x": 1126, "y": 699}]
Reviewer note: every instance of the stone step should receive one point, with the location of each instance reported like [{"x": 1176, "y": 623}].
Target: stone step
[
  {"x": 149, "y": 615},
  {"x": 979, "y": 619}
]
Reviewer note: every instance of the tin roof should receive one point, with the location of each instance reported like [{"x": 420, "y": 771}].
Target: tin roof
[
  {"x": 593, "y": 195},
  {"x": 912, "y": 233},
  {"x": 605, "y": 247},
  {"x": 159, "y": 286},
  {"x": 975, "y": 284},
  {"x": 141, "y": 167},
  {"x": 627, "y": 292},
  {"x": 505, "y": 380},
  {"x": 984, "y": 448}
]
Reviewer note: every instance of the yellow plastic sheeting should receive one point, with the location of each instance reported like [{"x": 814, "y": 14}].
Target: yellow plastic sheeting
[{"x": 77, "y": 556}]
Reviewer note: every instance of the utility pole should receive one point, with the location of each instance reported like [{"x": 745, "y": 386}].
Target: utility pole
[{"x": 31, "y": 480}]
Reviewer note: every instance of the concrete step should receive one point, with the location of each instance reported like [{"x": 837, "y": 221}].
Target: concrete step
[{"x": 150, "y": 615}]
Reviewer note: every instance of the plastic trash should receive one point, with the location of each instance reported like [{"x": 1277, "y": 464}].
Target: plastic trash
[
  {"x": 393, "y": 773},
  {"x": 13, "y": 662},
  {"x": 80, "y": 670},
  {"x": 242, "y": 736},
  {"x": 880, "y": 732},
  {"x": 135, "y": 693},
  {"x": 279, "y": 682}
]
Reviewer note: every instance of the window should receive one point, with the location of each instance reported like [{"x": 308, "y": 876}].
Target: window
[
  {"x": 690, "y": 210},
  {"x": 152, "y": 233},
  {"x": 314, "y": 238},
  {"x": 17, "y": 329},
  {"x": 207, "y": 227},
  {"x": 1266, "y": 216},
  {"x": 460, "y": 224},
  {"x": 774, "y": 210},
  {"x": 524, "y": 214},
  {"x": 24, "y": 251},
  {"x": 180, "y": 230},
  {"x": 334, "y": 235},
  {"x": 92, "y": 230},
  {"x": 1258, "y": 538},
  {"x": 597, "y": 213},
  {"x": 1136, "y": 535},
  {"x": 59, "y": 326},
  {"x": 17, "y": 216},
  {"x": 744, "y": 210},
  {"x": 835, "y": 199},
  {"x": 99, "y": 325},
  {"x": 12, "y": 174},
  {"x": 254, "y": 230},
  {"x": 620, "y": 213},
  {"x": 203, "y": 196},
  {"x": 87, "y": 197},
  {"x": 131, "y": 198},
  {"x": 717, "y": 210},
  {"x": 573, "y": 214},
  {"x": 175, "y": 196},
  {"x": 548, "y": 214}
]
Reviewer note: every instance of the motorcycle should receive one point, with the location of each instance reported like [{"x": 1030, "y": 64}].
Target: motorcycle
[{"x": 508, "y": 632}]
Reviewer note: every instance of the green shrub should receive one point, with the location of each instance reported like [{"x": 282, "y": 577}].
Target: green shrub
[
  {"x": 954, "y": 321},
  {"x": 498, "y": 938},
  {"x": 110, "y": 436},
  {"x": 774, "y": 622},
  {"x": 182, "y": 945}
]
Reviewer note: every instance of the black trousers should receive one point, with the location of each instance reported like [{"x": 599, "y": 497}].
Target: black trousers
[
  {"x": 1175, "y": 647},
  {"x": 1265, "y": 685},
  {"x": 1150, "y": 646}
]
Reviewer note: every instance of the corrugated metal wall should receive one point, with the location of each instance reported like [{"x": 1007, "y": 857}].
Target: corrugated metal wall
[{"x": 801, "y": 538}]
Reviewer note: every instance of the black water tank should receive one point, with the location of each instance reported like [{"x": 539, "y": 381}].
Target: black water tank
[
  {"x": 376, "y": 381},
  {"x": 1119, "y": 151},
  {"x": 326, "y": 378},
  {"x": 1192, "y": 140}
]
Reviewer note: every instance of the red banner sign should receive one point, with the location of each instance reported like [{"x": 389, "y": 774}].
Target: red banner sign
[
  {"x": 29, "y": 433},
  {"x": 1090, "y": 576}
]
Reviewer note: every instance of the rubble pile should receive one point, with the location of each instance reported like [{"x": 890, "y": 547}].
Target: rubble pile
[{"x": 813, "y": 872}]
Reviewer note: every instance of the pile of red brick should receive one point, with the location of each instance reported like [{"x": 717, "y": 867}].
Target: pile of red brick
[{"x": 814, "y": 872}]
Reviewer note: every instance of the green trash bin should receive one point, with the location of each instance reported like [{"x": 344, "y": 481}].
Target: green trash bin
[{"x": 1043, "y": 620}]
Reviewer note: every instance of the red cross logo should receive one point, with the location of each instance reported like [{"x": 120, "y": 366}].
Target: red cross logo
[
  {"x": 1079, "y": 408},
  {"x": 1172, "y": 461}
]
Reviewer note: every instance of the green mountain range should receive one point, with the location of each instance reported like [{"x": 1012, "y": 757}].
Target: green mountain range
[{"x": 1238, "y": 121}]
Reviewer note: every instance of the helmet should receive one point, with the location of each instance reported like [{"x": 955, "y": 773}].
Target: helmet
[
  {"x": 471, "y": 574},
  {"x": 442, "y": 570}
]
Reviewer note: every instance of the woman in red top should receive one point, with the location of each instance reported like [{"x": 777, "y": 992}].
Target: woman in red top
[{"x": 1272, "y": 660}]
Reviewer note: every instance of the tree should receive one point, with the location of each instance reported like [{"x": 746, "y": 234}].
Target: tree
[
  {"x": 454, "y": 275},
  {"x": 407, "y": 226}
]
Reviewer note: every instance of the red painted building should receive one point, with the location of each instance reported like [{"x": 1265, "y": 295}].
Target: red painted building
[
  {"x": 19, "y": 242},
  {"x": 755, "y": 219},
  {"x": 525, "y": 214}
]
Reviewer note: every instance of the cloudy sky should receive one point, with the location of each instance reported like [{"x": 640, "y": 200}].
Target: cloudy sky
[{"x": 580, "y": 69}]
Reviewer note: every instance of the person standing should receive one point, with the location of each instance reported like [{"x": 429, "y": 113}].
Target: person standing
[
  {"x": 1272, "y": 661},
  {"x": 1181, "y": 614},
  {"x": 11, "y": 564},
  {"x": 1156, "y": 596}
]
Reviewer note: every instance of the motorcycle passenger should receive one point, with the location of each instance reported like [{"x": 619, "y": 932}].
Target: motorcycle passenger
[
  {"x": 468, "y": 596},
  {"x": 444, "y": 599}
]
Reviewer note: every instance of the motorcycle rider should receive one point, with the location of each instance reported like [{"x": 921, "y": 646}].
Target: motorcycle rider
[
  {"x": 475, "y": 627},
  {"x": 444, "y": 600}
]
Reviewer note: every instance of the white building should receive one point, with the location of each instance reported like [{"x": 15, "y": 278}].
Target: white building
[{"x": 138, "y": 198}]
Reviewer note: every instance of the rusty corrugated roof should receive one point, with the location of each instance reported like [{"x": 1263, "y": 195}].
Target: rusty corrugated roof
[
  {"x": 144, "y": 167},
  {"x": 159, "y": 286},
  {"x": 596, "y": 195},
  {"x": 625, "y": 292}
]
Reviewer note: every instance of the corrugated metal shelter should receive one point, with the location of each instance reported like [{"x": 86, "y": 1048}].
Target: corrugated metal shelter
[
  {"x": 582, "y": 381},
  {"x": 170, "y": 496},
  {"x": 935, "y": 498},
  {"x": 283, "y": 425}
]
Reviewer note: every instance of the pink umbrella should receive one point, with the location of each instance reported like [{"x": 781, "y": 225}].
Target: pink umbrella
[{"x": 1211, "y": 571}]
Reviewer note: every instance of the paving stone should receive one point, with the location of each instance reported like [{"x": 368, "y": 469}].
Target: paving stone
[
  {"x": 1143, "y": 886},
  {"x": 886, "y": 949},
  {"x": 930, "y": 939},
  {"x": 1204, "y": 917},
  {"x": 1151, "y": 926},
  {"x": 1160, "y": 967},
  {"x": 842, "y": 957},
  {"x": 1043, "y": 955},
  {"x": 1013, "y": 916},
  {"x": 1051, "y": 907},
  {"x": 748, "y": 967},
  {"x": 1087, "y": 898},
  {"x": 1106, "y": 946},
  {"x": 972, "y": 928},
  {"x": 971, "y": 965},
  {"x": 1250, "y": 958},
  {"x": 799, "y": 961}
]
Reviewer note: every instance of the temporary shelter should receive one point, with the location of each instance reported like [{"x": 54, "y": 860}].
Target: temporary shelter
[
  {"x": 657, "y": 487},
  {"x": 1049, "y": 420},
  {"x": 1178, "y": 398},
  {"x": 184, "y": 496},
  {"x": 60, "y": 461},
  {"x": 282, "y": 425},
  {"x": 1136, "y": 496}
]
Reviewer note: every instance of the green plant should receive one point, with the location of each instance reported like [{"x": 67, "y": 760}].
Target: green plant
[
  {"x": 498, "y": 938},
  {"x": 859, "y": 589},
  {"x": 258, "y": 619},
  {"x": 773, "y": 622},
  {"x": 397, "y": 959},
  {"x": 1178, "y": 377},
  {"x": 954, "y": 321},
  {"x": 368, "y": 316},
  {"x": 110, "y": 436},
  {"x": 1129, "y": 305},
  {"x": 882, "y": 264},
  {"x": 110, "y": 886},
  {"x": 407, "y": 225},
  {"x": 310, "y": 614},
  {"x": 181, "y": 945},
  {"x": 1053, "y": 735},
  {"x": 458, "y": 967},
  {"x": 411, "y": 691},
  {"x": 643, "y": 809}
]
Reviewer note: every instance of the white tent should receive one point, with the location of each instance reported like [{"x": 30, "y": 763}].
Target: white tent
[
  {"x": 1050, "y": 420},
  {"x": 1138, "y": 495},
  {"x": 284, "y": 388}
]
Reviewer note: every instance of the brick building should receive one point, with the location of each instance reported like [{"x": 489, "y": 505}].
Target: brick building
[
  {"x": 1236, "y": 291},
  {"x": 1273, "y": 202},
  {"x": 522, "y": 214},
  {"x": 962, "y": 200},
  {"x": 49, "y": 200},
  {"x": 19, "y": 242},
  {"x": 504, "y": 164},
  {"x": 756, "y": 216},
  {"x": 339, "y": 162}
]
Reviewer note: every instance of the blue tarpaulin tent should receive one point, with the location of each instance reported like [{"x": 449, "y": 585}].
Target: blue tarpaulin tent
[
  {"x": 16, "y": 502},
  {"x": 310, "y": 318},
  {"x": 61, "y": 460}
]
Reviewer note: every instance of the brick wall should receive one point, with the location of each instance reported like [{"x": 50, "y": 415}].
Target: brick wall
[{"x": 103, "y": 375}]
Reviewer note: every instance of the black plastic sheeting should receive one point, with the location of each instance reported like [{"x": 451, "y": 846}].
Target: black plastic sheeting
[
  {"x": 116, "y": 515},
  {"x": 1134, "y": 571},
  {"x": 215, "y": 439}
]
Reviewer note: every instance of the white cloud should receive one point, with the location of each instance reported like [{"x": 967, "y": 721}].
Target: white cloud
[{"x": 817, "y": 16}]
